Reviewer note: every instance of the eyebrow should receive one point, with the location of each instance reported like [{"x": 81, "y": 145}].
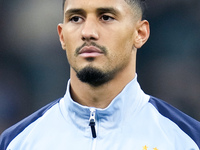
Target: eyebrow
[
  {"x": 100, "y": 10},
  {"x": 107, "y": 10},
  {"x": 74, "y": 11}
]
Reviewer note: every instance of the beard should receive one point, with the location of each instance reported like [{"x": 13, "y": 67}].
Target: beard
[{"x": 93, "y": 76}]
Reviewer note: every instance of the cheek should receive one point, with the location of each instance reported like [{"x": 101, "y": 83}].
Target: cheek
[
  {"x": 123, "y": 37},
  {"x": 71, "y": 36},
  {"x": 70, "y": 42},
  {"x": 123, "y": 44},
  {"x": 121, "y": 49},
  {"x": 70, "y": 50}
]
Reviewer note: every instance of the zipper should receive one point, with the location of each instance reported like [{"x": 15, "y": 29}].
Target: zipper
[
  {"x": 92, "y": 122},
  {"x": 94, "y": 144}
]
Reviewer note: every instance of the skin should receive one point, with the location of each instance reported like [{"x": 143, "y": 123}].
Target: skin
[{"x": 113, "y": 25}]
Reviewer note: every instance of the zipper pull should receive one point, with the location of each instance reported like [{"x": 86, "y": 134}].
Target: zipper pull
[{"x": 92, "y": 122}]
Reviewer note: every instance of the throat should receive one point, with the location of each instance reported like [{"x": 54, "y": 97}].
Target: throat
[{"x": 98, "y": 97}]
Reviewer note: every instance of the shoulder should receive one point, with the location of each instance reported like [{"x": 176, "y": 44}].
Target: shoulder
[
  {"x": 186, "y": 123},
  {"x": 8, "y": 135}
]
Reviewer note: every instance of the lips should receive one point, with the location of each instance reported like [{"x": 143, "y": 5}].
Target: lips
[{"x": 90, "y": 51}]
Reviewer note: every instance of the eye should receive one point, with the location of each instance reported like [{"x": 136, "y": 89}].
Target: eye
[
  {"x": 106, "y": 18},
  {"x": 76, "y": 19}
]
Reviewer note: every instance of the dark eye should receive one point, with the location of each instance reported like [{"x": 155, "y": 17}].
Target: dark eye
[
  {"x": 76, "y": 19},
  {"x": 107, "y": 18}
]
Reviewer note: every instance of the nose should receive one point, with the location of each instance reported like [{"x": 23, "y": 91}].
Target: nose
[{"x": 90, "y": 30}]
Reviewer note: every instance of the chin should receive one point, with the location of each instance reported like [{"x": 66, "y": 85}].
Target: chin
[{"x": 93, "y": 76}]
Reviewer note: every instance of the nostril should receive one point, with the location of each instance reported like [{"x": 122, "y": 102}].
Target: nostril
[
  {"x": 88, "y": 38},
  {"x": 83, "y": 38}
]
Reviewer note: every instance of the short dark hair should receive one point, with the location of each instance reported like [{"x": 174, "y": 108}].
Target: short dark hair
[{"x": 140, "y": 3}]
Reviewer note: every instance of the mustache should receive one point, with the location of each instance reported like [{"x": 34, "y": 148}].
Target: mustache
[{"x": 102, "y": 48}]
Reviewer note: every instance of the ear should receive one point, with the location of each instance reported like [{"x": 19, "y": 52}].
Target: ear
[
  {"x": 143, "y": 33},
  {"x": 60, "y": 33}
]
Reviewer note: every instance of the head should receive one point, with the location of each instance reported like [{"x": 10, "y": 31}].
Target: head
[{"x": 101, "y": 38}]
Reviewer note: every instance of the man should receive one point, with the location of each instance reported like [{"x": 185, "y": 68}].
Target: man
[{"x": 104, "y": 107}]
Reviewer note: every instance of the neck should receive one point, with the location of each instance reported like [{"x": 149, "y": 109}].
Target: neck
[{"x": 101, "y": 96}]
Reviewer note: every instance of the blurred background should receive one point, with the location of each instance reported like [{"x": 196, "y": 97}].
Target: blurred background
[{"x": 34, "y": 70}]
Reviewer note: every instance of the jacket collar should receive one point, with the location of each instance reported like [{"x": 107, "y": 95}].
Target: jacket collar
[{"x": 124, "y": 105}]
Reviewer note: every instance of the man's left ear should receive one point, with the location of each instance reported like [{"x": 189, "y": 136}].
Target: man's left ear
[{"x": 143, "y": 33}]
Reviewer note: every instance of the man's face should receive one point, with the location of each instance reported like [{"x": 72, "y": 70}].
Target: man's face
[{"x": 99, "y": 34}]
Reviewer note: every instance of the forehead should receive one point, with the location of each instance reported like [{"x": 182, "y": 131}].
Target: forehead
[{"x": 90, "y": 5}]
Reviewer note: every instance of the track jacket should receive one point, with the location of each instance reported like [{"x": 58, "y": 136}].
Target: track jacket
[{"x": 133, "y": 121}]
